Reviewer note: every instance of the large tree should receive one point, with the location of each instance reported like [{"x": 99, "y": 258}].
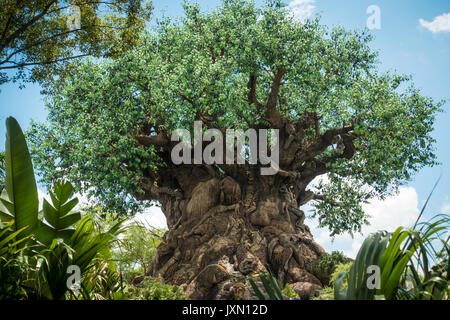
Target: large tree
[
  {"x": 41, "y": 39},
  {"x": 239, "y": 67}
]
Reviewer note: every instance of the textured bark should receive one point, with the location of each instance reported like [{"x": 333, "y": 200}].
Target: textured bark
[
  {"x": 228, "y": 221},
  {"x": 222, "y": 229}
]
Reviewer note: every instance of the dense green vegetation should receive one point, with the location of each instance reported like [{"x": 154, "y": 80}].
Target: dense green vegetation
[
  {"x": 109, "y": 125},
  {"x": 405, "y": 258},
  {"x": 37, "y": 249},
  {"x": 326, "y": 265},
  {"x": 241, "y": 67},
  {"x": 413, "y": 264},
  {"x": 44, "y": 40}
]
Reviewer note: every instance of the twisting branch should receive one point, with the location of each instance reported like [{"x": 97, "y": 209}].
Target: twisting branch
[
  {"x": 160, "y": 140},
  {"x": 272, "y": 114},
  {"x": 252, "y": 82}
]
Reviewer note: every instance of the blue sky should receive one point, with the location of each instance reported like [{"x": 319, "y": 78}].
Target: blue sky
[{"x": 414, "y": 38}]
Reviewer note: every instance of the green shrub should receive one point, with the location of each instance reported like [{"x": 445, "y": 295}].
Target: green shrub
[
  {"x": 150, "y": 289},
  {"x": 404, "y": 259},
  {"x": 327, "y": 293},
  {"x": 288, "y": 292},
  {"x": 135, "y": 251},
  {"x": 326, "y": 265},
  {"x": 37, "y": 249},
  {"x": 340, "y": 268}
]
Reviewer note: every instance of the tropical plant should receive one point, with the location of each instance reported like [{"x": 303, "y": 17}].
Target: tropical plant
[
  {"x": 102, "y": 282},
  {"x": 404, "y": 259},
  {"x": 369, "y": 254},
  {"x": 273, "y": 289},
  {"x": 19, "y": 199},
  {"x": 58, "y": 215},
  {"x": 83, "y": 250},
  {"x": 13, "y": 268},
  {"x": 51, "y": 245}
]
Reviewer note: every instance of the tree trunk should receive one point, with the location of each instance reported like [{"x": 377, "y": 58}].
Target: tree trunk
[{"x": 221, "y": 230}]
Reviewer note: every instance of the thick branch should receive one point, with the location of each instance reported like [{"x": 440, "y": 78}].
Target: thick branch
[
  {"x": 23, "y": 64},
  {"x": 321, "y": 143},
  {"x": 160, "y": 140},
  {"x": 272, "y": 114}
]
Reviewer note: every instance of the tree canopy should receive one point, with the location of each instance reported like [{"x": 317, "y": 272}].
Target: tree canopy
[
  {"x": 41, "y": 39},
  {"x": 241, "y": 66}
]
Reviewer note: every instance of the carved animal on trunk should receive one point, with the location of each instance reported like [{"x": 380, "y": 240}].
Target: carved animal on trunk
[
  {"x": 230, "y": 191},
  {"x": 290, "y": 206}
]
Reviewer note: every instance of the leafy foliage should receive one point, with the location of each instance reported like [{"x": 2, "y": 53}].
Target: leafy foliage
[
  {"x": 59, "y": 217},
  {"x": 326, "y": 265},
  {"x": 19, "y": 199},
  {"x": 34, "y": 254},
  {"x": 327, "y": 293},
  {"x": 136, "y": 249},
  {"x": 370, "y": 253},
  {"x": 13, "y": 268},
  {"x": 151, "y": 289},
  {"x": 240, "y": 66},
  {"x": 37, "y": 35},
  {"x": 404, "y": 259}
]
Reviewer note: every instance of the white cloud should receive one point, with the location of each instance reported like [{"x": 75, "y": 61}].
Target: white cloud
[
  {"x": 397, "y": 210},
  {"x": 439, "y": 24},
  {"x": 301, "y": 9},
  {"x": 446, "y": 208}
]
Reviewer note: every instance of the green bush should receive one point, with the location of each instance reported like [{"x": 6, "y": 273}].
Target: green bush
[
  {"x": 327, "y": 293},
  {"x": 36, "y": 249},
  {"x": 136, "y": 249},
  {"x": 326, "y": 265},
  {"x": 404, "y": 258},
  {"x": 150, "y": 289}
]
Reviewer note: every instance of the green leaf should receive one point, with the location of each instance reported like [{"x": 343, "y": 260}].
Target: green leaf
[
  {"x": 58, "y": 217},
  {"x": 20, "y": 197}
]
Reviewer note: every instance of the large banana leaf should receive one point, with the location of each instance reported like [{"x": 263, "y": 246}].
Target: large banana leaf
[
  {"x": 58, "y": 216},
  {"x": 19, "y": 199}
]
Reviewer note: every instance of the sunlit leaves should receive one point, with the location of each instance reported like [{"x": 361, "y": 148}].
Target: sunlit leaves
[{"x": 198, "y": 67}]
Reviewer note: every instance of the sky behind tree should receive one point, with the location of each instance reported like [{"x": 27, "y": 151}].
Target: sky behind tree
[{"x": 413, "y": 38}]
